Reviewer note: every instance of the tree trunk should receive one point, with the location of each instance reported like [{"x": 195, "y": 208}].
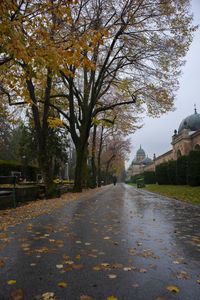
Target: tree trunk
[
  {"x": 81, "y": 176},
  {"x": 99, "y": 158},
  {"x": 94, "y": 169},
  {"x": 107, "y": 168}
]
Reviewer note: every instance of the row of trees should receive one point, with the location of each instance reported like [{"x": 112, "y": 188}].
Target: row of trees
[
  {"x": 184, "y": 170},
  {"x": 76, "y": 63}
]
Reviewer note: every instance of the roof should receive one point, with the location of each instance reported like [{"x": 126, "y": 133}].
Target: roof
[
  {"x": 191, "y": 122},
  {"x": 147, "y": 161},
  {"x": 140, "y": 151}
]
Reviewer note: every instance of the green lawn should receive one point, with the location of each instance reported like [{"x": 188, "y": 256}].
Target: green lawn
[{"x": 182, "y": 192}]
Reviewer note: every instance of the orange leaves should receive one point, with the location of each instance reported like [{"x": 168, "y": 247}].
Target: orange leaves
[
  {"x": 17, "y": 294},
  {"x": 62, "y": 284},
  {"x": 2, "y": 263},
  {"x": 97, "y": 268}
]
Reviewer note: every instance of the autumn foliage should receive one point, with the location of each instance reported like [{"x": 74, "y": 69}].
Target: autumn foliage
[{"x": 82, "y": 58}]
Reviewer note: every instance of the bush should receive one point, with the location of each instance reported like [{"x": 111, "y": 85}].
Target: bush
[
  {"x": 162, "y": 173},
  {"x": 181, "y": 170},
  {"x": 6, "y": 167},
  {"x": 193, "y": 170},
  {"x": 149, "y": 177},
  {"x": 172, "y": 172}
]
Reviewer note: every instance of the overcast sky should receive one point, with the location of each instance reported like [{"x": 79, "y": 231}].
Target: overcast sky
[{"x": 155, "y": 136}]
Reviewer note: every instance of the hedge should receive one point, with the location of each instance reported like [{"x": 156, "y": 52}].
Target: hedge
[
  {"x": 162, "y": 173},
  {"x": 6, "y": 167},
  {"x": 193, "y": 169},
  {"x": 181, "y": 170},
  {"x": 172, "y": 171},
  {"x": 149, "y": 177}
]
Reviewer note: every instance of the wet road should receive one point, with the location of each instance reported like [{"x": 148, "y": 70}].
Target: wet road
[{"x": 120, "y": 242}]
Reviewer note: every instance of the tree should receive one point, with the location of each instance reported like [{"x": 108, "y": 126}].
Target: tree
[
  {"x": 138, "y": 49},
  {"x": 91, "y": 56},
  {"x": 119, "y": 121},
  {"x": 34, "y": 49},
  {"x": 114, "y": 154}
]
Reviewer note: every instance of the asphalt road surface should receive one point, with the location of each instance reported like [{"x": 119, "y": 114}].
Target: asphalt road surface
[{"x": 119, "y": 243}]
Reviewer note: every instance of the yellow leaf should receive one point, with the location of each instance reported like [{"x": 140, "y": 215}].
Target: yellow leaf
[
  {"x": 172, "y": 288},
  {"x": 111, "y": 298},
  {"x": 78, "y": 256},
  {"x": 106, "y": 238},
  {"x": 62, "y": 284},
  {"x": 97, "y": 268},
  {"x": 11, "y": 282},
  {"x": 65, "y": 256},
  {"x": 198, "y": 281}
]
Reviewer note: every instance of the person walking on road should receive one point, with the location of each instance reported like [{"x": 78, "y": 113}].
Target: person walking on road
[{"x": 114, "y": 179}]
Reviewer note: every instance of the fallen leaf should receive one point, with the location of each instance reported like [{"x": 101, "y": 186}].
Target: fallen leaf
[
  {"x": 176, "y": 262},
  {"x": 143, "y": 270},
  {"x": 183, "y": 275},
  {"x": 111, "y": 298},
  {"x": 112, "y": 276},
  {"x": 78, "y": 256},
  {"x": 59, "y": 266},
  {"x": 127, "y": 269},
  {"x": 83, "y": 297},
  {"x": 62, "y": 284},
  {"x": 198, "y": 281},
  {"x": 135, "y": 285},
  {"x": 17, "y": 294},
  {"x": 2, "y": 263},
  {"x": 153, "y": 266},
  {"x": 65, "y": 256},
  {"x": 87, "y": 244},
  {"x": 77, "y": 267},
  {"x": 116, "y": 266},
  {"x": 11, "y": 282},
  {"x": 97, "y": 268},
  {"x": 48, "y": 296},
  {"x": 173, "y": 289}
]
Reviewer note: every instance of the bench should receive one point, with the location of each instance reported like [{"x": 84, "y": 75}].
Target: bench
[{"x": 8, "y": 192}]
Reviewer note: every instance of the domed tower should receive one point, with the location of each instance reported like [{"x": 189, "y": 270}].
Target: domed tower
[
  {"x": 147, "y": 161},
  {"x": 140, "y": 155},
  {"x": 191, "y": 122},
  {"x": 188, "y": 136}
]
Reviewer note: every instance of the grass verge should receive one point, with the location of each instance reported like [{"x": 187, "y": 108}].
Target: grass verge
[{"x": 181, "y": 192}]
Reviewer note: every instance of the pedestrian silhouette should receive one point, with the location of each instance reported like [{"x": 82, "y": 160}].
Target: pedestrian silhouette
[{"x": 114, "y": 179}]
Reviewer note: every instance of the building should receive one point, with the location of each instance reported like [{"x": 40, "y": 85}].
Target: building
[
  {"x": 139, "y": 163},
  {"x": 184, "y": 140}
]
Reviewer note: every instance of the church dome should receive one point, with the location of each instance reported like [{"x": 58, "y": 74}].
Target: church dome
[
  {"x": 140, "y": 151},
  {"x": 147, "y": 161},
  {"x": 191, "y": 122}
]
